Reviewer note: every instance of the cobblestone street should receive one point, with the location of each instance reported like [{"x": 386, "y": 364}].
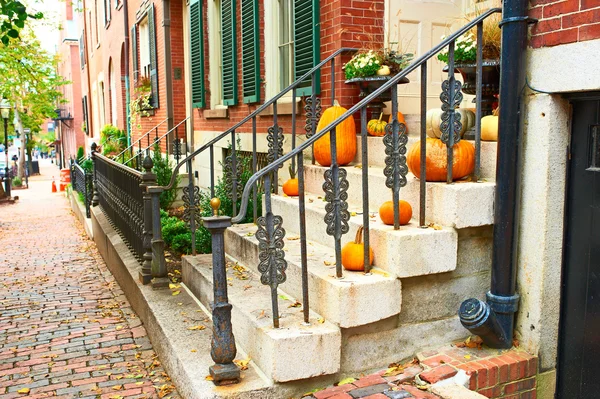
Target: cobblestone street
[{"x": 66, "y": 328}]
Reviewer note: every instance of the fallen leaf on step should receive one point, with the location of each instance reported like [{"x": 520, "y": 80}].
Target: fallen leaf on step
[
  {"x": 293, "y": 238},
  {"x": 23, "y": 391},
  {"x": 193, "y": 351},
  {"x": 262, "y": 314},
  {"x": 467, "y": 357},
  {"x": 310, "y": 200},
  {"x": 295, "y": 305},
  {"x": 434, "y": 226},
  {"x": 359, "y": 166},
  {"x": 242, "y": 364},
  {"x": 173, "y": 286},
  {"x": 345, "y": 381},
  {"x": 321, "y": 320},
  {"x": 196, "y": 328},
  {"x": 249, "y": 234},
  {"x": 352, "y": 213},
  {"x": 284, "y": 297},
  {"x": 393, "y": 370},
  {"x": 117, "y": 387},
  {"x": 175, "y": 293},
  {"x": 380, "y": 272},
  {"x": 208, "y": 378}
]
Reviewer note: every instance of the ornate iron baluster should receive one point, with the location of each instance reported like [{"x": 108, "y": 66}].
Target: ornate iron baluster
[
  {"x": 451, "y": 98},
  {"x": 365, "y": 187},
  {"x": 212, "y": 171},
  {"x": 223, "y": 350},
  {"x": 232, "y": 174},
  {"x": 272, "y": 266},
  {"x": 478, "y": 97},
  {"x": 148, "y": 179},
  {"x": 293, "y": 127},
  {"x": 303, "y": 249},
  {"x": 191, "y": 205},
  {"x": 95, "y": 198},
  {"x": 254, "y": 165},
  {"x": 423, "y": 152},
  {"x": 337, "y": 215},
  {"x": 275, "y": 144},
  {"x": 395, "y": 171}
]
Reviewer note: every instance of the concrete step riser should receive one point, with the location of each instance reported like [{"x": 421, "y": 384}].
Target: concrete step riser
[
  {"x": 284, "y": 354},
  {"x": 352, "y": 301},
  {"x": 405, "y": 253},
  {"x": 456, "y": 205},
  {"x": 376, "y": 153}
]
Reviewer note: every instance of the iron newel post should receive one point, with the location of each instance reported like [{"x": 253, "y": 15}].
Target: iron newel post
[
  {"x": 159, "y": 265},
  {"x": 223, "y": 350},
  {"x": 148, "y": 180}
]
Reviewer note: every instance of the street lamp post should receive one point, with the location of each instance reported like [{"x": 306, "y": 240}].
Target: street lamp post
[{"x": 5, "y": 111}]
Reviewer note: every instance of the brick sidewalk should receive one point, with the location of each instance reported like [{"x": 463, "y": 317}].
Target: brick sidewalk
[{"x": 66, "y": 329}]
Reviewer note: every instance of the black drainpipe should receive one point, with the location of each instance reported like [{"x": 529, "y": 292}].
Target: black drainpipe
[{"x": 494, "y": 320}]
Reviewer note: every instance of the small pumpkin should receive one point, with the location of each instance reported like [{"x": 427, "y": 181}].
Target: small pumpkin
[
  {"x": 384, "y": 70},
  {"x": 345, "y": 137},
  {"x": 386, "y": 212},
  {"x": 433, "y": 120},
  {"x": 353, "y": 254},
  {"x": 436, "y": 163},
  {"x": 400, "y": 119},
  {"x": 290, "y": 187},
  {"x": 489, "y": 127},
  {"x": 376, "y": 127}
]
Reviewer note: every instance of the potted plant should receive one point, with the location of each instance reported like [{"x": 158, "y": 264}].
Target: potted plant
[
  {"x": 465, "y": 62},
  {"x": 141, "y": 103},
  {"x": 370, "y": 69}
]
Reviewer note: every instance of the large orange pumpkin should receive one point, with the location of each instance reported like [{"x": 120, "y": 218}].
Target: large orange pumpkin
[
  {"x": 345, "y": 137},
  {"x": 386, "y": 212},
  {"x": 400, "y": 119},
  {"x": 353, "y": 254},
  {"x": 436, "y": 165}
]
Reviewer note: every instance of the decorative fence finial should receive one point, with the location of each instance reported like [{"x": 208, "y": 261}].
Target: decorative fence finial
[{"x": 215, "y": 204}]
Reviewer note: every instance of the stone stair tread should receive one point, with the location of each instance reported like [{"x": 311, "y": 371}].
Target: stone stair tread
[
  {"x": 283, "y": 354},
  {"x": 351, "y": 301},
  {"x": 404, "y": 252},
  {"x": 460, "y": 204}
]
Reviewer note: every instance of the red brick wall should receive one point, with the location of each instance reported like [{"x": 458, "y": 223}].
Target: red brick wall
[
  {"x": 562, "y": 22},
  {"x": 344, "y": 23}
]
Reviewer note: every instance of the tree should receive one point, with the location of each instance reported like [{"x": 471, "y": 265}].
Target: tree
[
  {"x": 13, "y": 15},
  {"x": 30, "y": 83}
]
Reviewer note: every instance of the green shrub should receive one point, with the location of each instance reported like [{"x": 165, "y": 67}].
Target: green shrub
[
  {"x": 163, "y": 168},
  {"x": 87, "y": 165},
  {"x": 17, "y": 182},
  {"x": 112, "y": 140},
  {"x": 80, "y": 153}
]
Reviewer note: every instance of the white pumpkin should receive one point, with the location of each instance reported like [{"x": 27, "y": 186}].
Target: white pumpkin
[{"x": 434, "y": 118}]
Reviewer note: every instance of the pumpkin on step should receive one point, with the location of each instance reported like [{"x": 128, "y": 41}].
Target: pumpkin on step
[
  {"x": 436, "y": 164},
  {"x": 345, "y": 137},
  {"x": 433, "y": 120},
  {"x": 489, "y": 127},
  {"x": 400, "y": 119},
  {"x": 290, "y": 187},
  {"x": 376, "y": 127},
  {"x": 353, "y": 254},
  {"x": 386, "y": 213}
]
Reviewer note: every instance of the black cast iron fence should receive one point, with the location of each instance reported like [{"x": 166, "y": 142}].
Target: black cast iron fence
[
  {"x": 82, "y": 181},
  {"x": 123, "y": 201}
]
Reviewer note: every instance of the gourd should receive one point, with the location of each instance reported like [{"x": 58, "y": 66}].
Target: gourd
[
  {"x": 436, "y": 163},
  {"x": 353, "y": 254},
  {"x": 489, "y": 127},
  {"x": 434, "y": 118},
  {"x": 290, "y": 187},
  {"x": 345, "y": 137},
  {"x": 384, "y": 70},
  {"x": 376, "y": 127},
  {"x": 400, "y": 119},
  {"x": 386, "y": 212}
]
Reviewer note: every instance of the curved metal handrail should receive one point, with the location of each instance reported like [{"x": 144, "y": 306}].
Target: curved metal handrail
[
  {"x": 257, "y": 111},
  {"x": 158, "y": 139},
  {"x": 393, "y": 81},
  {"x": 140, "y": 139}
]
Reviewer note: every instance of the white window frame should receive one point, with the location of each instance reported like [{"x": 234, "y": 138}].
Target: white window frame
[
  {"x": 272, "y": 44},
  {"x": 215, "y": 38},
  {"x": 101, "y": 103},
  {"x": 144, "y": 46}
]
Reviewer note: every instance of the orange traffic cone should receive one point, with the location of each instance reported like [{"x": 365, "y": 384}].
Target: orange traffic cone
[{"x": 53, "y": 185}]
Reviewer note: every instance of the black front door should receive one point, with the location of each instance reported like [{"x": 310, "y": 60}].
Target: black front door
[{"x": 579, "y": 344}]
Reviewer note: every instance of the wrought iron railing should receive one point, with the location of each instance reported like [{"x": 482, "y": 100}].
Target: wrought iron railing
[
  {"x": 270, "y": 227},
  {"x": 176, "y": 147},
  {"x": 82, "y": 182},
  {"x": 136, "y": 146}
]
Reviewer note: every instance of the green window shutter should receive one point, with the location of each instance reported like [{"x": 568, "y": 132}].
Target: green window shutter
[
  {"x": 250, "y": 52},
  {"x": 153, "y": 63},
  {"x": 228, "y": 52},
  {"x": 134, "y": 57},
  {"x": 306, "y": 43},
  {"x": 197, "y": 53}
]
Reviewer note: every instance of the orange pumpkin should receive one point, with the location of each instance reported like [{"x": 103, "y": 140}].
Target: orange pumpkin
[
  {"x": 376, "y": 127},
  {"x": 290, "y": 187},
  {"x": 353, "y": 254},
  {"x": 400, "y": 119},
  {"x": 436, "y": 164},
  {"x": 345, "y": 137},
  {"x": 386, "y": 212}
]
